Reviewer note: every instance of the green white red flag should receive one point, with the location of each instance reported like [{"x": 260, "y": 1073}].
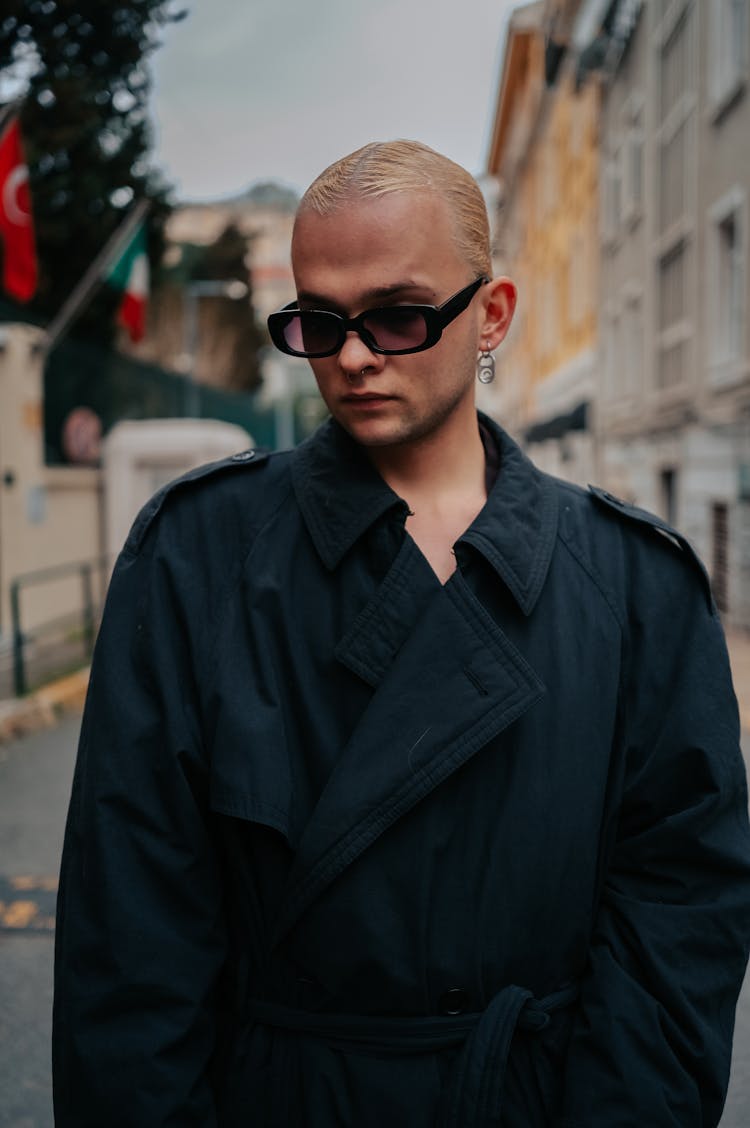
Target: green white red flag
[
  {"x": 19, "y": 277},
  {"x": 130, "y": 275}
]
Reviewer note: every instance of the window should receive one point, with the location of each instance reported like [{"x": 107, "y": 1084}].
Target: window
[
  {"x": 676, "y": 59},
  {"x": 672, "y": 296},
  {"x": 668, "y": 491},
  {"x": 633, "y": 342},
  {"x": 632, "y": 172},
  {"x": 726, "y": 279},
  {"x": 728, "y": 34},
  {"x": 612, "y": 195},
  {"x": 675, "y": 66},
  {"x": 623, "y": 343},
  {"x": 677, "y": 76},
  {"x": 673, "y": 322},
  {"x": 673, "y": 166},
  {"x": 610, "y": 341},
  {"x": 720, "y": 554},
  {"x": 730, "y": 284}
]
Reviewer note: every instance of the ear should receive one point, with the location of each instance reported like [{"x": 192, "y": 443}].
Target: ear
[{"x": 499, "y": 299}]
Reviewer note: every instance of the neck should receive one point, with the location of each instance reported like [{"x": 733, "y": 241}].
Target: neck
[{"x": 443, "y": 466}]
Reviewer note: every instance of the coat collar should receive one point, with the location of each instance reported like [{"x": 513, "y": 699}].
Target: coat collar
[
  {"x": 341, "y": 495},
  {"x": 339, "y": 492}
]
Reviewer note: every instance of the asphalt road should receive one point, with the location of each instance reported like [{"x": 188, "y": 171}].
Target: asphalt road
[{"x": 35, "y": 779}]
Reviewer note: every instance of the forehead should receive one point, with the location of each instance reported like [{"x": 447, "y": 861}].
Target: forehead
[{"x": 368, "y": 243}]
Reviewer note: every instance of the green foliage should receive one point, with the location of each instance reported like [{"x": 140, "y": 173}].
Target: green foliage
[{"x": 81, "y": 65}]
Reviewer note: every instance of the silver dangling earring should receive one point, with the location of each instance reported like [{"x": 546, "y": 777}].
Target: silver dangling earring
[{"x": 486, "y": 366}]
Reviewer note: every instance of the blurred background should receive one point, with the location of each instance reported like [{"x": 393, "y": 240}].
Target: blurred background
[
  {"x": 151, "y": 160},
  {"x": 152, "y": 153}
]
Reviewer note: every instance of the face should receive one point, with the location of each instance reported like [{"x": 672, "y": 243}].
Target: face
[{"x": 394, "y": 249}]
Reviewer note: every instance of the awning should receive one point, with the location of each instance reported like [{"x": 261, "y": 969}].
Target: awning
[{"x": 559, "y": 425}]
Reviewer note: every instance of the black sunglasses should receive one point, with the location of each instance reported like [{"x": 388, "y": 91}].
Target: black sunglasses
[{"x": 393, "y": 330}]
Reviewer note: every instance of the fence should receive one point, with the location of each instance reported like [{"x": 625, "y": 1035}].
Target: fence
[
  {"x": 117, "y": 387},
  {"x": 57, "y": 645}
]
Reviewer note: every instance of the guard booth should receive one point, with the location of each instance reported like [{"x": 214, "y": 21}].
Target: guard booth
[
  {"x": 140, "y": 456},
  {"x": 61, "y": 526}
]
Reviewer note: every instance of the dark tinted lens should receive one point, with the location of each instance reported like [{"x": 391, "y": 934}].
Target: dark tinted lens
[
  {"x": 396, "y": 328},
  {"x": 311, "y": 332}
]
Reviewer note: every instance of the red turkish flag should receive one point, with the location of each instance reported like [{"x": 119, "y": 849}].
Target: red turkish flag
[{"x": 16, "y": 225}]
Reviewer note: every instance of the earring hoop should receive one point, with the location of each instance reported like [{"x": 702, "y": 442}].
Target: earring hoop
[{"x": 486, "y": 365}]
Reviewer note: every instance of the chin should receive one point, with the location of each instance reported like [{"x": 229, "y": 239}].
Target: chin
[
  {"x": 372, "y": 432},
  {"x": 373, "y": 436}
]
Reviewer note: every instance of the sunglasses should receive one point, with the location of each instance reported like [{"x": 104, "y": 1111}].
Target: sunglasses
[{"x": 393, "y": 330}]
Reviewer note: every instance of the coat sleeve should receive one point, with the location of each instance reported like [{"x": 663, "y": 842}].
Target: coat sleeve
[
  {"x": 140, "y": 938},
  {"x": 651, "y": 1041}
]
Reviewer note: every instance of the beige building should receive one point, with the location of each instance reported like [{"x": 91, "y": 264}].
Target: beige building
[
  {"x": 51, "y": 523},
  {"x": 190, "y": 328},
  {"x": 674, "y": 418},
  {"x": 544, "y": 152}
]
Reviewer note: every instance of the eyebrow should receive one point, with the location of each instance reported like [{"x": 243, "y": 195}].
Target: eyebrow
[{"x": 378, "y": 293}]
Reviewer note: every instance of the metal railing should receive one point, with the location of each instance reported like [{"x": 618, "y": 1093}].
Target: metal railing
[{"x": 79, "y": 624}]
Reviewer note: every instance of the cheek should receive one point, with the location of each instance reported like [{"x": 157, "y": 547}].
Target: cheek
[{"x": 322, "y": 372}]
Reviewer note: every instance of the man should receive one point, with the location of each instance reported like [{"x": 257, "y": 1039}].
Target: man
[{"x": 409, "y": 791}]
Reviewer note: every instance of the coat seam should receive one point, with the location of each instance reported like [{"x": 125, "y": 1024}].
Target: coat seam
[
  {"x": 232, "y": 584},
  {"x": 594, "y": 577}
]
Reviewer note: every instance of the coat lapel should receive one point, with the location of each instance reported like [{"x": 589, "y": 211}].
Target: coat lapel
[
  {"x": 446, "y": 679},
  {"x": 445, "y": 687}
]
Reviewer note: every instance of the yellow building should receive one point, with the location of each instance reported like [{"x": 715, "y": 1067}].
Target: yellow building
[{"x": 544, "y": 152}]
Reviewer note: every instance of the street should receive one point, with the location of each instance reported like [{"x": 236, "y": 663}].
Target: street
[{"x": 35, "y": 776}]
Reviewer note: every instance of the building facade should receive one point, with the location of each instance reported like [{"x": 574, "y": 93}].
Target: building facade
[
  {"x": 544, "y": 152},
  {"x": 674, "y": 405}
]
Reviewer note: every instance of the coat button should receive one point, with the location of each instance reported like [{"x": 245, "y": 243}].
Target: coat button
[
  {"x": 243, "y": 456},
  {"x": 452, "y": 1001}
]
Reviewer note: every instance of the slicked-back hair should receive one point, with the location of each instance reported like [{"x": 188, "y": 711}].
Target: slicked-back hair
[{"x": 408, "y": 166}]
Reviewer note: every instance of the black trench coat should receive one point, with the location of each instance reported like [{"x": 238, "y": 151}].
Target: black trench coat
[{"x": 349, "y": 847}]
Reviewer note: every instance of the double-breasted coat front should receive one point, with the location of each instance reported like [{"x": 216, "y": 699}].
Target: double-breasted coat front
[{"x": 347, "y": 846}]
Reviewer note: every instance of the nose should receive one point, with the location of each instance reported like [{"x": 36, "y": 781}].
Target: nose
[{"x": 355, "y": 356}]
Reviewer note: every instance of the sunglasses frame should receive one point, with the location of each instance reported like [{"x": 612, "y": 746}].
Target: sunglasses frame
[{"x": 436, "y": 318}]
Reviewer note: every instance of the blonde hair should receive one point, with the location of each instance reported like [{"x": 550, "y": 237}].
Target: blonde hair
[{"x": 408, "y": 166}]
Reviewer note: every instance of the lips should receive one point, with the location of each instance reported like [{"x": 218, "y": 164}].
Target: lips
[{"x": 366, "y": 398}]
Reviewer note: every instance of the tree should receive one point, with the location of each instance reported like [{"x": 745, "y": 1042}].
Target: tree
[{"x": 82, "y": 67}]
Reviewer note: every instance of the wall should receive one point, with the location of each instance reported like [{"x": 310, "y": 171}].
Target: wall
[
  {"x": 48, "y": 516},
  {"x": 546, "y": 240}
]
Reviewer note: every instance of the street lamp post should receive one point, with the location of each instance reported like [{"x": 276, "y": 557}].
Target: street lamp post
[{"x": 192, "y": 293}]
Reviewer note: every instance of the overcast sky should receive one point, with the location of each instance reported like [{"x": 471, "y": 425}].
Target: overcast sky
[{"x": 277, "y": 89}]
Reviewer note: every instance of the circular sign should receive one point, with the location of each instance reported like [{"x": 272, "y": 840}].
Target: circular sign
[{"x": 82, "y": 436}]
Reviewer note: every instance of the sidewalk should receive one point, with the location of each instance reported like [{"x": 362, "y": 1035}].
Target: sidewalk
[
  {"x": 41, "y": 709},
  {"x": 738, "y": 643}
]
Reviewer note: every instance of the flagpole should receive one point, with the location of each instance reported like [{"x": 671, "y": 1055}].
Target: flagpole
[{"x": 93, "y": 277}]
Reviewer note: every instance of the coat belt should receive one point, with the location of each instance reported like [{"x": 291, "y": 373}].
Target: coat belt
[{"x": 475, "y": 1092}]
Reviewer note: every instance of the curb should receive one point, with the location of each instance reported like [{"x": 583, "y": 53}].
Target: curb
[{"x": 43, "y": 708}]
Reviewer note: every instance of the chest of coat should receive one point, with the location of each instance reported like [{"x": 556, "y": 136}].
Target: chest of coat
[{"x": 442, "y": 743}]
